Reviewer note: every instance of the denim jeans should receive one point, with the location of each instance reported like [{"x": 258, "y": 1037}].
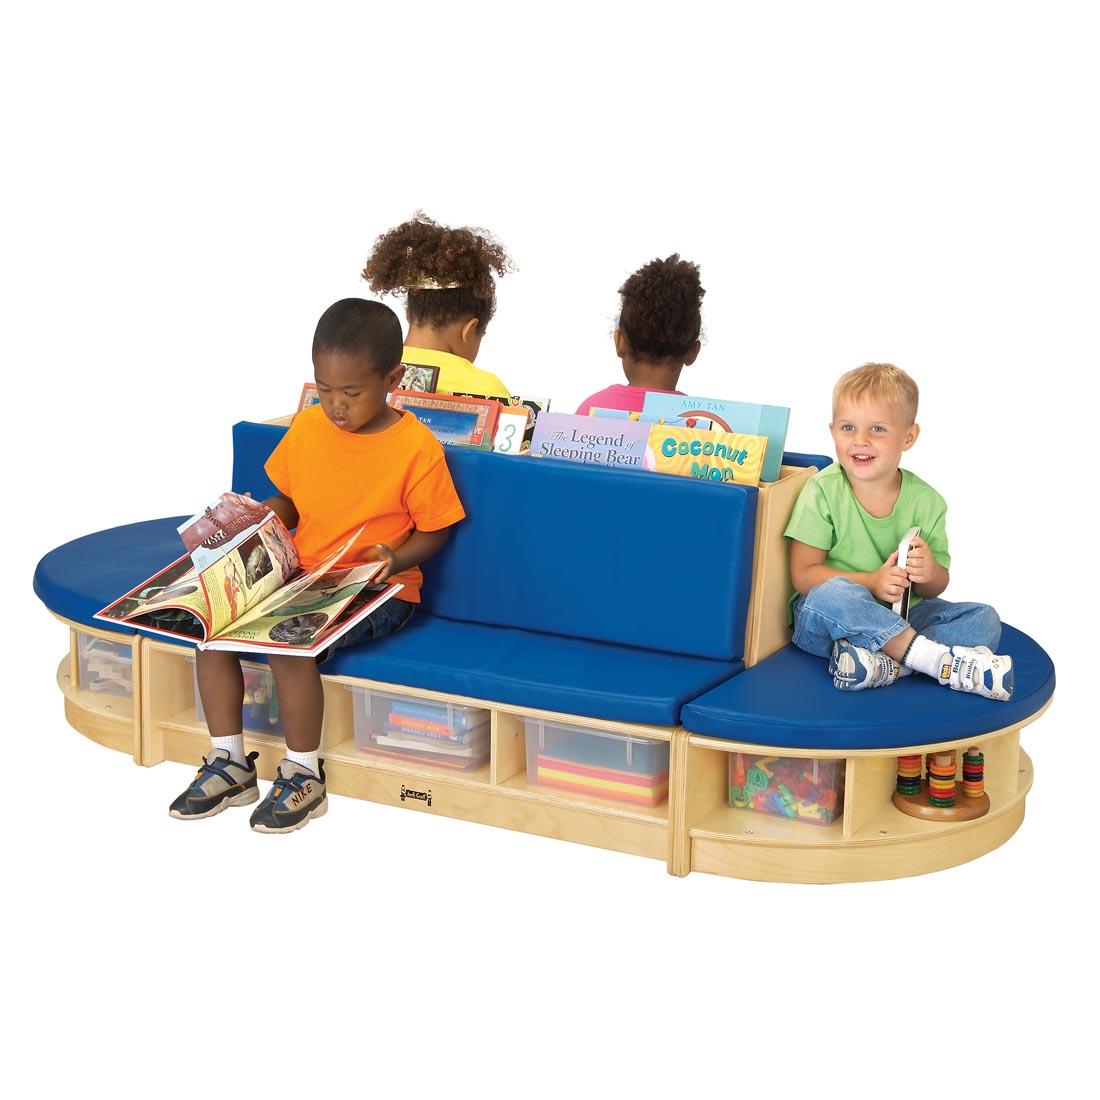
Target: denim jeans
[
  {"x": 840, "y": 608},
  {"x": 387, "y": 619}
]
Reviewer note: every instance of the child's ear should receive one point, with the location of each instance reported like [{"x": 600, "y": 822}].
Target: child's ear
[
  {"x": 621, "y": 345},
  {"x": 911, "y": 434},
  {"x": 393, "y": 379},
  {"x": 693, "y": 353},
  {"x": 468, "y": 330}
]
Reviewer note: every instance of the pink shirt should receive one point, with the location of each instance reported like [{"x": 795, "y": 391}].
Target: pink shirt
[{"x": 630, "y": 398}]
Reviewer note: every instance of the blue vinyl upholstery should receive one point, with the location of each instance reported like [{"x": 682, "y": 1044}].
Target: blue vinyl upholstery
[
  {"x": 620, "y": 556},
  {"x": 529, "y": 669},
  {"x": 788, "y": 700},
  {"x": 83, "y": 576}
]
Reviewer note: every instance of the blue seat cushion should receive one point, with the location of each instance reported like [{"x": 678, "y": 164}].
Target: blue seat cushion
[
  {"x": 788, "y": 701},
  {"x": 501, "y": 664},
  {"x": 544, "y": 671},
  {"x": 83, "y": 576}
]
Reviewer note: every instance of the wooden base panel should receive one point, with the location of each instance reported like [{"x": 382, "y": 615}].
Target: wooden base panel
[
  {"x": 854, "y": 862},
  {"x": 695, "y": 829},
  {"x": 108, "y": 720}
]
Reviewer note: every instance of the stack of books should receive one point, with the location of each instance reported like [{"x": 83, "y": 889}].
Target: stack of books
[{"x": 441, "y": 734}]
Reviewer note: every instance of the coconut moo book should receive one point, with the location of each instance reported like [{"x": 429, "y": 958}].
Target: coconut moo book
[
  {"x": 706, "y": 455},
  {"x": 729, "y": 416}
]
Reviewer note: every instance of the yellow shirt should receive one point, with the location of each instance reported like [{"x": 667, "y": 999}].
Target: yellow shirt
[{"x": 456, "y": 375}]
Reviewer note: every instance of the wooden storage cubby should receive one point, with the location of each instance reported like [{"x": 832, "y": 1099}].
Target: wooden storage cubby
[
  {"x": 872, "y": 839},
  {"x": 694, "y": 829},
  {"x": 497, "y": 793},
  {"x": 113, "y": 721}
]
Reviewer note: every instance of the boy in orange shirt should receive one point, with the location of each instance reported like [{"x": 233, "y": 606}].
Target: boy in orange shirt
[{"x": 349, "y": 462}]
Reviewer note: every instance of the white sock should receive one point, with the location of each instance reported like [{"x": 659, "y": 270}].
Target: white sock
[
  {"x": 927, "y": 656},
  {"x": 233, "y": 745},
  {"x": 306, "y": 759}
]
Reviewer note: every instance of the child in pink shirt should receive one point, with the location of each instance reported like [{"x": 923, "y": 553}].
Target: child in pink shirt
[{"x": 657, "y": 334}]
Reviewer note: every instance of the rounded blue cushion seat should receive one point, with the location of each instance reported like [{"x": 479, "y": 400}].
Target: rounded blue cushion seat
[
  {"x": 83, "y": 576},
  {"x": 508, "y": 665},
  {"x": 788, "y": 701}
]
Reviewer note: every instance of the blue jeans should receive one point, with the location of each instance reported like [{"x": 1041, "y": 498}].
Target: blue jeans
[
  {"x": 840, "y": 608},
  {"x": 388, "y": 619}
]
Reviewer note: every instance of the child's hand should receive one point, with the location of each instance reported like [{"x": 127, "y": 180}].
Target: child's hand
[
  {"x": 920, "y": 562},
  {"x": 386, "y": 556},
  {"x": 889, "y": 580}
]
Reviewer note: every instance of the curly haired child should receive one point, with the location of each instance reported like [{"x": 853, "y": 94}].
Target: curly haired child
[
  {"x": 446, "y": 276},
  {"x": 657, "y": 334}
]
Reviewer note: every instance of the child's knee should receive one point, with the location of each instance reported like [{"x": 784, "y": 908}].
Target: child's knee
[
  {"x": 831, "y": 590},
  {"x": 987, "y": 626}
]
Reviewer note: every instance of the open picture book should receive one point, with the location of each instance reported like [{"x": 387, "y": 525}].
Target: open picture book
[{"x": 239, "y": 586}]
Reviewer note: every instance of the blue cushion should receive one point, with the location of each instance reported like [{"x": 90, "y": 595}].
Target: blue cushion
[
  {"x": 252, "y": 446},
  {"x": 534, "y": 670},
  {"x": 83, "y": 576},
  {"x": 796, "y": 458},
  {"x": 788, "y": 701},
  {"x": 601, "y": 554},
  {"x": 506, "y": 665}
]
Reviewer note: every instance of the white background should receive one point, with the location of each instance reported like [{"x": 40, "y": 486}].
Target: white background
[{"x": 187, "y": 188}]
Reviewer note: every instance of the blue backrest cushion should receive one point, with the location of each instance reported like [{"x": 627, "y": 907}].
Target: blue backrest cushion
[
  {"x": 611, "y": 555},
  {"x": 624, "y": 556},
  {"x": 252, "y": 447},
  {"x": 797, "y": 458}
]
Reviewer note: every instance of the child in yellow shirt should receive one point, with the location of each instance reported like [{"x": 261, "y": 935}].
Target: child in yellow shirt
[{"x": 446, "y": 276}]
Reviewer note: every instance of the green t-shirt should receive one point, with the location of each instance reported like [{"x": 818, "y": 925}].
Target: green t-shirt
[{"x": 828, "y": 516}]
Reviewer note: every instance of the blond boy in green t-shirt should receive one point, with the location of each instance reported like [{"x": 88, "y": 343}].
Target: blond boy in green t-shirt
[{"x": 845, "y": 530}]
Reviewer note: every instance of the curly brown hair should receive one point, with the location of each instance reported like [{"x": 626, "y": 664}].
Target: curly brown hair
[
  {"x": 423, "y": 251},
  {"x": 661, "y": 315}
]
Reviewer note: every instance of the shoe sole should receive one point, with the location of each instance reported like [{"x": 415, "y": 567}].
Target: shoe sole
[
  {"x": 245, "y": 798},
  {"x": 318, "y": 811}
]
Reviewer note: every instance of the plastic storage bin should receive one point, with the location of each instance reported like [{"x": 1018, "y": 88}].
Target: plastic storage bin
[
  {"x": 105, "y": 667},
  {"x": 619, "y": 767},
  {"x": 795, "y": 788},
  {"x": 260, "y": 713},
  {"x": 420, "y": 731}
]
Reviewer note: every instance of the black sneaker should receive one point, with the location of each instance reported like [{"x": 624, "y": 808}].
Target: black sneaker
[
  {"x": 296, "y": 796},
  {"x": 219, "y": 783}
]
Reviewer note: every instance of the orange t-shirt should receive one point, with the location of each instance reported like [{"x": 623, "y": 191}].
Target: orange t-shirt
[{"x": 393, "y": 481}]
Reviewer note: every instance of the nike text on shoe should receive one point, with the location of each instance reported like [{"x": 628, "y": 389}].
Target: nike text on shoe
[{"x": 296, "y": 797}]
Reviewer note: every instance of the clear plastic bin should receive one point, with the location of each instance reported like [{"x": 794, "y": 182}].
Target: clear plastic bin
[
  {"x": 616, "y": 766},
  {"x": 420, "y": 731},
  {"x": 105, "y": 667},
  {"x": 260, "y": 713},
  {"x": 793, "y": 787}
]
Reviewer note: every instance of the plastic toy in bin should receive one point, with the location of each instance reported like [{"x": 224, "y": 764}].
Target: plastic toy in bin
[
  {"x": 260, "y": 712},
  {"x": 795, "y": 788}
]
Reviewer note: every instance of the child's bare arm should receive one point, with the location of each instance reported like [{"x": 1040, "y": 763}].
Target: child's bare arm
[
  {"x": 808, "y": 570},
  {"x": 417, "y": 548},
  {"x": 926, "y": 575},
  {"x": 284, "y": 508}
]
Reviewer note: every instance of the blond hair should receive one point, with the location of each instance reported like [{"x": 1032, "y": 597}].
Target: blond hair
[{"x": 882, "y": 382}]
